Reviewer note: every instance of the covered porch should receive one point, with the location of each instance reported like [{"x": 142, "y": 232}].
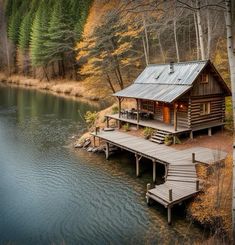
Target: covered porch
[
  {"x": 151, "y": 123},
  {"x": 168, "y": 117}
]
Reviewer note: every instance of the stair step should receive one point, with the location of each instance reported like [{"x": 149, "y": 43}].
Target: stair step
[
  {"x": 182, "y": 169},
  {"x": 181, "y": 175},
  {"x": 157, "y": 141},
  {"x": 162, "y": 131},
  {"x": 158, "y": 137},
  {"x": 181, "y": 179}
]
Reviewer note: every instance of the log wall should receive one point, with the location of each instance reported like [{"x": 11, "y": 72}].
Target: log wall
[{"x": 217, "y": 111}]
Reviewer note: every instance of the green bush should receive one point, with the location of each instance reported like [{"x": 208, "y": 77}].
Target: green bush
[
  {"x": 115, "y": 109},
  {"x": 168, "y": 140},
  {"x": 148, "y": 132},
  {"x": 91, "y": 117},
  {"x": 126, "y": 127}
]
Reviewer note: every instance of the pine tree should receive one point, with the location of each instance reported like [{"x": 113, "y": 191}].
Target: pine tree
[
  {"x": 24, "y": 33},
  {"x": 14, "y": 26},
  {"x": 38, "y": 49}
]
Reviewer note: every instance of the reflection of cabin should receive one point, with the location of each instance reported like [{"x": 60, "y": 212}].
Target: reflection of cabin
[{"x": 175, "y": 98}]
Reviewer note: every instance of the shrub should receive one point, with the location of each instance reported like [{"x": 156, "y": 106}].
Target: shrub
[
  {"x": 148, "y": 132},
  {"x": 91, "y": 117},
  {"x": 168, "y": 140},
  {"x": 126, "y": 127},
  {"x": 115, "y": 109}
]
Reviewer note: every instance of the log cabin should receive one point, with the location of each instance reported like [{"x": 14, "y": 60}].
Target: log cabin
[{"x": 175, "y": 98}]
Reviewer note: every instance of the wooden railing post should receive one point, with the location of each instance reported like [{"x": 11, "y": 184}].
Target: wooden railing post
[
  {"x": 170, "y": 195},
  {"x": 97, "y": 130},
  {"x": 197, "y": 185},
  {"x": 193, "y": 158}
]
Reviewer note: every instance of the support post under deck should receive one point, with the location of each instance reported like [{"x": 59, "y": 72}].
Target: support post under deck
[
  {"x": 169, "y": 215},
  {"x": 107, "y": 151},
  {"x": 154, "y": 171},
  {"x": 209, "y": 132},
  {"x": 137, "y": 161}
]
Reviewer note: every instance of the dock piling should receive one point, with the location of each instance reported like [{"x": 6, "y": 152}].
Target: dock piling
[
  {"x": 137, "y": 165},
  {"x": 148, "y": 188},
  {"x": 107, "y": 151},
  {"x": 169, "y": 215},
  {"x": 154, "y": 170}
]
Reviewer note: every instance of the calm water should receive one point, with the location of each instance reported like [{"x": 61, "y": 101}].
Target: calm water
[{"x": 52, "y": 194}]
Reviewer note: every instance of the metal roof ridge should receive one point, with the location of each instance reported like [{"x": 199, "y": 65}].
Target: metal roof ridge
[
  {"x": 182, "y": 62},
  {"x": 183, "y": 84}
]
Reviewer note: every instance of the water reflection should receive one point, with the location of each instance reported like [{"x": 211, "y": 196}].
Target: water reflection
[{"x": 51, "y": 194}]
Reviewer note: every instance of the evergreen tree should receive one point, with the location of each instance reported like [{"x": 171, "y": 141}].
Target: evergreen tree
[
  {"x": 38, "y": 49},
  {"x": 24, "y": 33},
  {"x": 60, "y": 40},
  {"x": 14, "y": 26}
]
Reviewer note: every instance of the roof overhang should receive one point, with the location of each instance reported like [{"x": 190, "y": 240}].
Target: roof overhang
[{"x": 167, "y": 93}]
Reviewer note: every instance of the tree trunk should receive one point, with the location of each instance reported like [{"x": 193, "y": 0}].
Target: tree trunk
[
  {"x": 110, "y": 83},
  {"x": 45, "y": 72},
  {"x": 208, "y": 32},
  {"x": 176, "y": 41},
  {"x": 200, "y": 31},
  {"x": 230, "y": 25},
  {"x": 146, "y": 40},
  {"x": 145, "y": 52},
  {"x": 161, "y": 49},
  {"x": 196, "y": 34}
]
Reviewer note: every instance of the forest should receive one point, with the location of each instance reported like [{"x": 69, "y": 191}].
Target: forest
[
  {"x": 108, "y": 42},
  {"x": 103, "y": 45}
]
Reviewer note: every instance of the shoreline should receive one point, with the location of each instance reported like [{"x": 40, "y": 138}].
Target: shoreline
[{"x": 75, "y": 90}]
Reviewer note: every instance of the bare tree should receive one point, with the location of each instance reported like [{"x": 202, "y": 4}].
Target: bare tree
[{"x": 4, "y": 43}]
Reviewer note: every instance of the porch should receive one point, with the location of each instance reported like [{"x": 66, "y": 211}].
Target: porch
[{"x": 151, "y": 123}]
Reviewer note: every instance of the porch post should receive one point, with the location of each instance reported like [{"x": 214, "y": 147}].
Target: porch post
[
  {"x": 175, "y": 117},
  {"x": 138, "y": 115},
  {"x": 119, "y": 107}
]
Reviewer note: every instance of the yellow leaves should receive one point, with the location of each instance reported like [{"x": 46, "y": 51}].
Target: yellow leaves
[
  {"x": 215, "y": 201},
  {"x": 122, "y": 48}
]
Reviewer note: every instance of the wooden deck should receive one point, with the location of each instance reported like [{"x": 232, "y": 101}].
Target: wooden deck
[
  {"x": 181, "y": 178},
  {"x": 151, "y": 124}
]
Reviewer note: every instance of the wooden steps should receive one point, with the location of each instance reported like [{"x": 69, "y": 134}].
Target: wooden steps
[{"x": 159, "y": 136}]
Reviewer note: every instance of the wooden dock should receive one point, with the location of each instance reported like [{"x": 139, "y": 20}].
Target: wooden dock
[{"x": 181, "y": 180}]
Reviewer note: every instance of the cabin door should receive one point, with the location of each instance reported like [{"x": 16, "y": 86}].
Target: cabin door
[{"x": 166, "y": 114}]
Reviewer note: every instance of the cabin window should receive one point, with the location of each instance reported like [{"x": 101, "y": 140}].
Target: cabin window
[
  {"x": 147, "y": 105},
  {"x": 205, "y": 108},
  {"x": 204, "y": 78}
]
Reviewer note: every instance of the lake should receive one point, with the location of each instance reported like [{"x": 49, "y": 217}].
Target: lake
[{"x": 51, "y": 193}]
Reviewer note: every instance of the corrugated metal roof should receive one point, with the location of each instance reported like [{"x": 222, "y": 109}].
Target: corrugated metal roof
[
  {"x": 184, "y": 73},
  {"x": 159, "y": 92},
  {"x": 157, "y": 83}
]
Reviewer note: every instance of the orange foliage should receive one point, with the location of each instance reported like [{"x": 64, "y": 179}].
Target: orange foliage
[{"x": 213, "y": 206}]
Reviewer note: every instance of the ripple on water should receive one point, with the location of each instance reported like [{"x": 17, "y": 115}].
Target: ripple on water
[{"x": 50, "y": 193}]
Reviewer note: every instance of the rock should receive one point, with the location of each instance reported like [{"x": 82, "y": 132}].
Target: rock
[
  {"x": 90, "y": 149},
  {"x": 87, "y": 143},
  {"x": 94, "y": 150},
  {"x": 78, "y": 145}
]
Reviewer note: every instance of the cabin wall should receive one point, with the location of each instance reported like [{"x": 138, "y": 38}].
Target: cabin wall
[
  {"x": 212, "y": 87},
  {"x": 217, "y": 111}
]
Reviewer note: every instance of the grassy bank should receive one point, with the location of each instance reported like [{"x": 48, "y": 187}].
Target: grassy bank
[{"x": 60, "y": 87}]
